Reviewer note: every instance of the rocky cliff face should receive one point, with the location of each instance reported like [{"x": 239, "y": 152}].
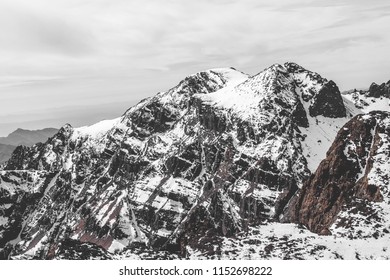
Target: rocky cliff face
[
  {"x": 328, "y": 102},
  {"x": 352, "y": 176},
  {"x": 382, "y": 90},
  {"x": 216, "y": 156}
]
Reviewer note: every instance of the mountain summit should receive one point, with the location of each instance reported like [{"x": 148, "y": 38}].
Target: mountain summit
[{"x": 189, "y": 173}]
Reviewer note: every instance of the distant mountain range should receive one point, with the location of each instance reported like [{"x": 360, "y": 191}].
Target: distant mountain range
[
  {"x": 23, "y": 137},
  {"x": 224, "y": 165},
  {"x": 28, "y": 137},
  {"x": 6, "y": 152}
]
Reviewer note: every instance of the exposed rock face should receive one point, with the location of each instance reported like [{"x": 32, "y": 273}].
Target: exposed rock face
[
  {"x": 41, "y": 156},
  {"x": 23, "y": 196},
  {"x": 328, "y": 102},
  {"x": 355, "y": 170},
  {"x": 382, "y": 90}
]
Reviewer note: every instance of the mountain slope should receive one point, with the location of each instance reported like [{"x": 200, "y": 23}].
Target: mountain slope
[
  {"x": 220, "y": 154},
  {"x": 22, "y": 137},
  {"x": 6, "y": 152},
  {"x": 377, "y": 97}
]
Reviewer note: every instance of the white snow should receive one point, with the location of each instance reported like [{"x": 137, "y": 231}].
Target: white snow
[
  {"x": 144, "y": 188},
  {"x": 68, "y": 162},
  {"x": 229, "y": 97},
  {"x": 50, "y": 157},
  {"x": 96, "y": 130},
  {"x": 366, "y": 103},
  {"x": 246, "y": 97},
  {"x": 321, "y": 133},
  {"x": 3, "y": 221},
  {"x": 319, "y": 137},
  {"x": 288, "y": 241},
  {"x": 164, "y": 232},
  {"x": 232, "y": 76},
  {"x": 117, "y": 245},
  {"x": 21, "y": 182},
  {"x": 5, "y": 206}
]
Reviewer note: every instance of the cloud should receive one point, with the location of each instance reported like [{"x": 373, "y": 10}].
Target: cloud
[{"x": 33, "y": 31}]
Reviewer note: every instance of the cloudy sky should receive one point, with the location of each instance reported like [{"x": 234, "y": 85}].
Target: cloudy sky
[{"x": 81, "y": 61}]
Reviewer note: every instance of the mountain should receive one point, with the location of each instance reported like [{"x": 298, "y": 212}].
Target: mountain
[
  {"x": 28, "y": 137},
  {"x": 382, "y": 90},
  {"x": 223, "y": 165},
  {"x": 22, "y": 137},
  {"x": 377, "y": 97},
  {"x": 6, "y": 152}
]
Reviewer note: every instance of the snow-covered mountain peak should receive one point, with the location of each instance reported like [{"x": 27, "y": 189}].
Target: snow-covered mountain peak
[
  {"x": 216, "y": 155},
  {"x": 285, "y": 86},
  {"x": 230, "y": 74},
  {"x": 209, "y": 81},
  {"x": 291, "y": 68}
]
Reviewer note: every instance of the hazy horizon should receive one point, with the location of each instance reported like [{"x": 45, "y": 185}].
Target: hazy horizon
[{"x": 81, "y": 61}]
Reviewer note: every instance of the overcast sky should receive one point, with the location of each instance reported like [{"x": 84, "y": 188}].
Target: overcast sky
[{"x": 81, "y": 61}]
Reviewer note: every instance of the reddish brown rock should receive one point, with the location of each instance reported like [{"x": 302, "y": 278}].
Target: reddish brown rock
[{"x": 342, "y": 175}]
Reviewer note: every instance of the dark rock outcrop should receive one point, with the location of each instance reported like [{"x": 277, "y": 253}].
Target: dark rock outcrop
[
  {"x": 328, "y": 102},
  {"x": 299, "y": 115}
]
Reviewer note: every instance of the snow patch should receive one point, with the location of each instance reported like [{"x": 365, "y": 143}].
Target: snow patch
[{"x": 96, "y": 130}]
